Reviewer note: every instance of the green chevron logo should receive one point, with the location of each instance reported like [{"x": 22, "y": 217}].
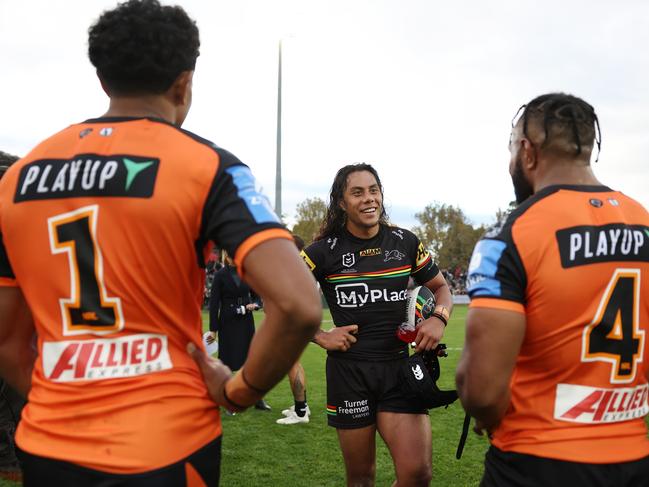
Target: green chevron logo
[{"x": 133, "y": 169}]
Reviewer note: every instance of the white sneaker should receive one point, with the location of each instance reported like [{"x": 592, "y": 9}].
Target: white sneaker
[
  {"x": 291, "y": 410},
  {"x": 294, "y": 419}
]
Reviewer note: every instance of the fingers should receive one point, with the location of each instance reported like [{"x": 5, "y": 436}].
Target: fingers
[
  {"x": 198, "y": 355},
  {"x": 350, "y": 338},
  {"x": 349, "y": 328}
]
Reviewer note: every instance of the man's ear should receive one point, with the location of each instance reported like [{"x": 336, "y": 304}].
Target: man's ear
[
  {"x": 180, "y": 90},
  {"x": 529, "y": 156}
]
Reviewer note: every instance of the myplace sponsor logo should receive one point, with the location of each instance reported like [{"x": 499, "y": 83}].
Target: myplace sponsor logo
[
  {"x": 129, "y": 356},
  {"x": 358, "y": 294},
  {"x": 584, "y": 404}
]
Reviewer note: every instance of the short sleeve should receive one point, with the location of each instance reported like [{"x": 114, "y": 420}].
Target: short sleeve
[
  {"x": 496, "y": 276},
  {"x": 314, "y": 259},
  {"x": 423, "y": 269},
  {"x": 236, "y": 215}
]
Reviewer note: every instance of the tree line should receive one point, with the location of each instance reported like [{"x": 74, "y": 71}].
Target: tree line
[{"x": 444, "y": 229}]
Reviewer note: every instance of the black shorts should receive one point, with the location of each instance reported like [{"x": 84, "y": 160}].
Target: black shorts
[
  {"x": 357, "y": 389},
  {"x": 203, "y": 464},
  {"x": 509, "y": 469}
]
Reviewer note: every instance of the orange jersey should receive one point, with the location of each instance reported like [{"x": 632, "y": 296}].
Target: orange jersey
[
  {"x": 105, "y": 227},
  {"x": 575, "y": 261}
]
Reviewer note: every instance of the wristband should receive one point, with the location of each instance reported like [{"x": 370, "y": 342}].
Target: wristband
[
  {"x": 256, "y": 389},
  {"x": 440, "y": 317},
  {"x": 442, "y": 310},
  {"x": 240, "y": 393}
]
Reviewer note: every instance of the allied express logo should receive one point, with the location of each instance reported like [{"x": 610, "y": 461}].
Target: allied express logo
[{"x": 88, "y": 175}]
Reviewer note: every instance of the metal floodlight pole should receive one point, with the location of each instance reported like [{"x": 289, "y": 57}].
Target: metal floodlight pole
[{"x": 278, "y": 169}]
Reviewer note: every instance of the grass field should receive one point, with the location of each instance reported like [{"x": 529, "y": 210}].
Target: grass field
[{"x": 258, "y": 452}]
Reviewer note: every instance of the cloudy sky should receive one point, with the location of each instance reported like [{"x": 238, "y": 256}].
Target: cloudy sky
[{"x": 424, "y": 90}]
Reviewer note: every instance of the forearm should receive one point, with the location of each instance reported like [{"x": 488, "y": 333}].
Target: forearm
[
  {"x": 16, "y": 368},
  {"x": 485, "y": 402},
  {"x": 317, "y": 338},
  {"x": 443, "y": 297},
  {"x": 276, "y": 347},
  {"x": 17, "y": 347}
]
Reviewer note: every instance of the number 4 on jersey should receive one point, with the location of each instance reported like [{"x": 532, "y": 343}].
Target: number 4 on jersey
[
  {"x": 615, "y": 336},
  {"x": 88, "y": 309}
]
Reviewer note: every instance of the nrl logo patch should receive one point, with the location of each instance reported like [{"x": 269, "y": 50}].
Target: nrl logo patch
[{"x": 349, "y": 259}]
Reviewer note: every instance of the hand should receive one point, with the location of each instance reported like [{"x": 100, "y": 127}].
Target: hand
[
  {"x": 211, "y": 338},
  {"x": 479, "y": 428},
  {"x": 252, "y": 307},
  {"x": 215, "y": 373},
  {"x": 429, "y": 333},
  {"x": 338, "y": 338}
]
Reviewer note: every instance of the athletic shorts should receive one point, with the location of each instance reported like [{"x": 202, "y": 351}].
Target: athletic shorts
[
  {"x": 357, "y": 389},
  {"x": 509, "y": 469},
  {"x": 200, "y": 469}
]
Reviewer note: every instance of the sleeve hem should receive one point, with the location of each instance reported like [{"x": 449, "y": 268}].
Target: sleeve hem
[
  {"x": 497, "y": 303},
  {"x": 251, "y": 242},
  {"x": 8, "y": 282}
]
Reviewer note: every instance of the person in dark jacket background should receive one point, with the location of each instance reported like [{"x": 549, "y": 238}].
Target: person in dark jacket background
[
  {"x": 232, "y": 303},
  {"x": 11, "y": 403}
]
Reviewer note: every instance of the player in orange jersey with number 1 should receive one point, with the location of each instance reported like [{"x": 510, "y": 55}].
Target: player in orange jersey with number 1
[
  {"x": 105, "y": 228},
  {"x": 554, "y": 366}
]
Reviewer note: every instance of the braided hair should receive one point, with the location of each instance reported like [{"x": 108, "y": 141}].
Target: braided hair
[
  {"x": 336, "y": 218},
  {"x": 565, "y": 119}
]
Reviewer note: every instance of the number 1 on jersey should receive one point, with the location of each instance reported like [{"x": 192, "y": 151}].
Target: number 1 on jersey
[
  {"x": 88, "y": 309},
  {"x": 615, "y": 336}
]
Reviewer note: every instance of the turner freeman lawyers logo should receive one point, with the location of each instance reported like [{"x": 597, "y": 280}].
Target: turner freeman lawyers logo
[
  {"x": 354, "y": 409},
  {"x": 349, "y": 259},
  {"x": 358, "y": 294}
]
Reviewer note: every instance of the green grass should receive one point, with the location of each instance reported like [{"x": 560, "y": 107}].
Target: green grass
[{"x": 259, "y": 452}]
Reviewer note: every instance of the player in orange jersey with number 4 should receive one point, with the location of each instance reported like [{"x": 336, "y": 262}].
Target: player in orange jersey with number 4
[{"x": 555, "y": 361}]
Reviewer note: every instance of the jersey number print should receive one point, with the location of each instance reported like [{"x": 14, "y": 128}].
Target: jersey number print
[
  {"x": 615, "y": 336},
  {"x": 89, "y": 309}
]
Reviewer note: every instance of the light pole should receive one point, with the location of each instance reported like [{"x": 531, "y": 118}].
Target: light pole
[{"x": 278, "y": 157}]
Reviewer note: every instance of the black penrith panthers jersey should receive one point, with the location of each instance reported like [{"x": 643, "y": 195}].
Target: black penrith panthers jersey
[{"x": 364, "y": 282}]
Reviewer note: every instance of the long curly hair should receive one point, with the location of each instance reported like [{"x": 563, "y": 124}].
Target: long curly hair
[{"x": 336, "y": 217}]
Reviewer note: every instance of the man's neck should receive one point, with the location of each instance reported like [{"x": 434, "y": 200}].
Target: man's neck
[
  {"x": 363, "y": 232},
  {"x": 568, "y": 172},
  {"x": 153, "y": 106}
]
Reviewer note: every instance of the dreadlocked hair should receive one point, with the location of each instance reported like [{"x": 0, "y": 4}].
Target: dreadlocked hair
[
  {"x": 568, "y": 122},
  {"x": 336, "y": 218}
]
